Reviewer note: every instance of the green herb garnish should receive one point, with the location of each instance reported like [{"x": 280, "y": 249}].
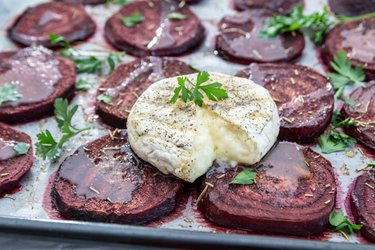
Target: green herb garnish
[
  {"x": 119, "y": 2},
  {"x": 85, "y": 64},
  {"x": 9, "y": 93},
  {"x": 192, "y": 92},
  {"x": 21, "y": 148},
  {"x": 335, "y": 141},
  {"x": 340, "y": 222},
  {"x": 104, "y": 98},
  {"x": 176, "y": 16},
  {"x": 47, "y": 146},
  {"x": 315, "y": 24},
  {"x": 83, "y": 85},
  {"x": 130, "y": 21},
  {"x": 245, "y": 177}
]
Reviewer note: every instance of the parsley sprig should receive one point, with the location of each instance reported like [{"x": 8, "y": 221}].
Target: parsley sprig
[
  {"x": 132, "y": 20},
  {"x": 340, "y": 222},
  {"x": 191, "y": 91},
  {"x": 9, "y": 93},
  {"x": 345, "y": 74},
  {"x": 334, "y": 140},
  {"x": 47, "y": 146},
  {"x": 21, "y": 148},
  {"x": 245, "y": 177},
  {"x": 85, "y": 63},
  {"x": 316, "y": 25}
]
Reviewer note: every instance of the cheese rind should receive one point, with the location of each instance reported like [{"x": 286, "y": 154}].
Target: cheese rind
[{"x": 184, "y": 139}]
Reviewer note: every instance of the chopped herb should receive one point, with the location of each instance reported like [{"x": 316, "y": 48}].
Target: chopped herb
[
  {"x": 315, "y": 24},
  {"x": 336, "y": 118},
  {"x": 246, "y": 177},
  {"x": 176, "y": 16},
  {"x": 113, "y": 58},
  {"x": 21, "y": 148},
  {"x": 119, "y": 2},
  {"x": 130, "y": 21},
  {"x": 88, "y": 65},
  {"x": 84, "y": 64},
  {"x": 339, "y": 221},
  {"x": 9, "y": 93},
  {"x": 340, "y": 96},
  {"x": 213, "y": 91},
  {"x": 105, "y": 98},
  {"x": 371, "y": 165},
  {"x": 84, "y": 85},
  {"x": 49, "y": 147},
  {"x": 345, "y": 73},
  {"x": 334, "y": 141}
]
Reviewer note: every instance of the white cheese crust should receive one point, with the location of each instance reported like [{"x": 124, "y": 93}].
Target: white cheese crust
[{"x": 184, "y": 139}]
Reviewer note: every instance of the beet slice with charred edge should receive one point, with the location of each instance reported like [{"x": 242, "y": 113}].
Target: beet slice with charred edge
[
  {"x": 304, "y": 97},
  {"x": 13, "y": 167},
  {"x": 363, "y": 204},
  {"x": 130, "y": 80},
  {"x": 364, "y": 113},
  {"x": 356, "y": 38},
  {"x": 105, "y": 181},
  {"x": 281, "y": 6},
  {"x": 34, "y": 69},
  {"x": 293, "y": 194},
  {"x": 239, "y": 41},
  {"x": 91, "y": 2},
  {"x": 351, "y": 8},
  {"x": 157, "y": 34},
  {"x": 36, "y": 23}
]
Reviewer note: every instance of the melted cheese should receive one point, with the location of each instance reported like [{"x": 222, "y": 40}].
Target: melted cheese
[{"x": 183, "y": 139}]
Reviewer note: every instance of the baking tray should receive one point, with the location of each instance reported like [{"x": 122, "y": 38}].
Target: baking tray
[{"x": 25, "y": 212}]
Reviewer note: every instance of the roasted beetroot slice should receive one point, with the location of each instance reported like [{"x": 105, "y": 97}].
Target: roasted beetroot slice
[
  {"x": 293, "y": 193},
  {"x": 105, "y": 181},
  {"x": 363, "y": 204},
  {"x": 304, "y": 97},
  {"x": 34, "y": 69},
  {"x": 356, "y": 39},
  {"x": 68, "y": 20},
  {"x": 281, "y": 6},
  {"x": 363, "y": 112},
  {"x": 91, "y": 2},
  {"x": 129, "y": 81},
  {"x": 13, "y": 167},
  {"x": 156, "y": 35},
  {"x": 239, "y": 40},
  {"x": 351, "y": 8}
]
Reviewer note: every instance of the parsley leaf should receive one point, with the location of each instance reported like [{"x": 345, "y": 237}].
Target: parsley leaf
[
  {"x": 345, "y": 73},
  {"x": 83, "y": 85},
  {"x": 176, "y": 16},
  {"x": 21, "y": 148},
  {"x": 334, "y": 141},
  {"x": 316, "y": 25},
  {"x": 340, "y": 96},
  {"x": 119, "y": 2},
  {"x": 49, "y": 147},
  {"x": 245, "y": 177},
  {"x": 130, "y": 21},
  {"x": 339, "y": 221},
  {"x": 213, "y": 91},
  {"x": 85, "y": 64},
  {"x": 8, "y": 93},
  {"x": 104, "y": 98}
]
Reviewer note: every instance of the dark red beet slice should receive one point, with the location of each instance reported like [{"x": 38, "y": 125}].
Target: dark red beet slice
[
  {"x": 105, "y": 181},
  {"x": 363, "y": 204},
  {"x": 68, "y": 20},
  {"x": 363, "y": 112},
  {"x": 281, "y": 6},
  {"x": 34, "y": 69},
  {"x": 83, "y": 1},
  {"x": 13, "y": 167},
  {"x": 293, "y": 195},
  {"x": 130, "y": 80},
  {"x": 304, "y": 97},
  {"x": 357, "y": 40},
  {"x": 157, "y": 34},
  {"x": 239, "y": 40},
  {"x": 351, "y": 8}
]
